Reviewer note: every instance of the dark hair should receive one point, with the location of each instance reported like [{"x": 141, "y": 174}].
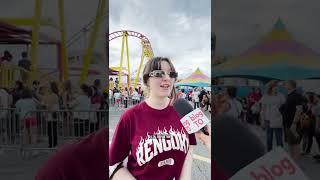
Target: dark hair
[
  {"x": 97, "y": 82},
  {"x": 7, "y": 53},
  {"x": 86, "y": 89},
  {"x": 67, "y": 85},
  {"x": 20, "y": 85},
  {"x": 35, "y": 82},
  {"x": 24, "y": 54},
  {"x": 54, "y": 88},
  {"x": 270, "y": 86},
  {"x": 26, "y": 93},
  {"x": 310, "y": 97},
  {"x": 293, "y": 83},
  {"x": 155, "y": 64},
  {"x": 232, "y": 91}
]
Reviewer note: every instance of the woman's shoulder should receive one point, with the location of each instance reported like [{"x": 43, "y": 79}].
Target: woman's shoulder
[{"x": 133, "y": 110}]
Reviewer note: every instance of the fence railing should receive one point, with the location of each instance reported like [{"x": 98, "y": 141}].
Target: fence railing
[
  {"x": 45, "y": 130},
  {"x": 124, "y": 102}
]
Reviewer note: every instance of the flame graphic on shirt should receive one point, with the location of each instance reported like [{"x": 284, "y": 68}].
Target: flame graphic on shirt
[{"x": 161, "y": 141}]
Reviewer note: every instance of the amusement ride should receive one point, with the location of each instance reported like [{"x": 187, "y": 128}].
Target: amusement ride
[{"x": 147, "y": 53}]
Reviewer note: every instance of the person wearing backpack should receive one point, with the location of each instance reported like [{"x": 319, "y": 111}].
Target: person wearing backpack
[{"x": 307, "y": 124}]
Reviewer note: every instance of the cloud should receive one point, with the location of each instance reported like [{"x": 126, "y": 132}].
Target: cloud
[
  {"x": 239, "y": 24},
  {"x": 181, "y": 31}
]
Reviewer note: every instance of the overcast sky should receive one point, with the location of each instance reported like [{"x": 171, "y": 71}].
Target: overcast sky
[
  {"x": 239, "y": 24},
  {"x": 77, "y": 14},
  {"x": 177, "y": 29}
]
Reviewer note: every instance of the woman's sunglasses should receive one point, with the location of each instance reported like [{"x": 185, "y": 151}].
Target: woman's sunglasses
[{"x": 161, "y": 74}]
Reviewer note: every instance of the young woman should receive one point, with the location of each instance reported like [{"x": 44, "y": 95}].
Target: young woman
[
  {"x": 270, "y": 103},
  {"x": 150, "y": 133}
]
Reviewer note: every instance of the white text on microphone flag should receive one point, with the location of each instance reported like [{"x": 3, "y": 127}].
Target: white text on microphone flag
[
  {"x": 194, "y": 121},
  {"x": 275, "y": 165}
]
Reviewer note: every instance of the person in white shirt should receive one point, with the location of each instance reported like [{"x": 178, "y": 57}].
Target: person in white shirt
[
  {"x": 195, "y": 98},
  {"x": 81, "y": 103},
  {"x": 183, "y": 94},
  {"x": 135, "y": 96},
  {"x": 117, "y": 97},
  {"x": 270, "y": 102},
  {"x": 25, "y": 109},
  {"x": 235, "y": 106}
]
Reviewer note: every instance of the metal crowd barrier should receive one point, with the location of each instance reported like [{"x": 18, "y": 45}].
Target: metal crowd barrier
[
  {"x": 9, "y": 129},
  {"x": 123, "y": 102},
  {"x": 44, "y": 130}
]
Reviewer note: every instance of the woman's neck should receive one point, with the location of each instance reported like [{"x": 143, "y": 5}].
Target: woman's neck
[{"x": 157, "y": 102}]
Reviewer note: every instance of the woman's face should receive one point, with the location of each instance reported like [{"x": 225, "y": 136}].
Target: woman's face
[{"x": 162, "y": 86}]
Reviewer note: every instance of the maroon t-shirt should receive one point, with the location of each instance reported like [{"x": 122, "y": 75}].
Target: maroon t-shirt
[
  {"x": 84, "y": 160},
  {"x": 154, "y": 141}
]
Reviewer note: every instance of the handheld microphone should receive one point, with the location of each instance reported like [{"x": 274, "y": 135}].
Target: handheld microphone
[
  {"x": 241, "y": 154},
  {"x": 193, "y": 120},
  {"x": 235, "y": 146}
]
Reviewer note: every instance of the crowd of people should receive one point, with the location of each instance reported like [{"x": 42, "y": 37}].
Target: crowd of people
[
  {"x": 123, "y": 97},
  {"x": 42, "y": 104},
  {"x": 198, "y": 96},
  {"x": 293, "y": 117}
]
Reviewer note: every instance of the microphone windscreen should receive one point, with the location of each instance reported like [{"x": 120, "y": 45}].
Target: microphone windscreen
[
  {"x": 234, "y": 144},
  {"x": 182, "y": 106}
]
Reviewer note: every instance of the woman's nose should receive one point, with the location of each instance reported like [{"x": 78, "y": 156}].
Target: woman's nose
[{"x": 166, "y": 76}]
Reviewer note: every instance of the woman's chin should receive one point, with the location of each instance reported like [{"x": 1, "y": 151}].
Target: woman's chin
[{"x": 163, "y": 95}]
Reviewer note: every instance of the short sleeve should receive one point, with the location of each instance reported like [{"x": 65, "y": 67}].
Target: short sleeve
[
  {"x": 120, "y": 144},
  {"x": 192, "y": 139}
]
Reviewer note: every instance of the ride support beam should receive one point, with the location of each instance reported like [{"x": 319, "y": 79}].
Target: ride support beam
[
  {"x": 29, "y": 22},
  {"x": 121, "y": 59},
  {"x": 64, "y": 53},
  {"x": 140, "y": 66},
  {"x": 93, "y": 37},
  {"x": 35, "y": 39},
  {"x": 128, "y": 63}
]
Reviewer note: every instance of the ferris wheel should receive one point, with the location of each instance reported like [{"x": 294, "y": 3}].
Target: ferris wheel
[{"x": 146, "y": 52}]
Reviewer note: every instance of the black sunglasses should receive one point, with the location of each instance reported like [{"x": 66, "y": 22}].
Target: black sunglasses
[{"x": 161, "y": 74}]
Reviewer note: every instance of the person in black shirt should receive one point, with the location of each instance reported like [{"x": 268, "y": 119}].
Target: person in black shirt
[
  {"x": 202, "y": 93},
  {"x": 24, "y": 62},
  {"x": 290, "y": 111}
]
